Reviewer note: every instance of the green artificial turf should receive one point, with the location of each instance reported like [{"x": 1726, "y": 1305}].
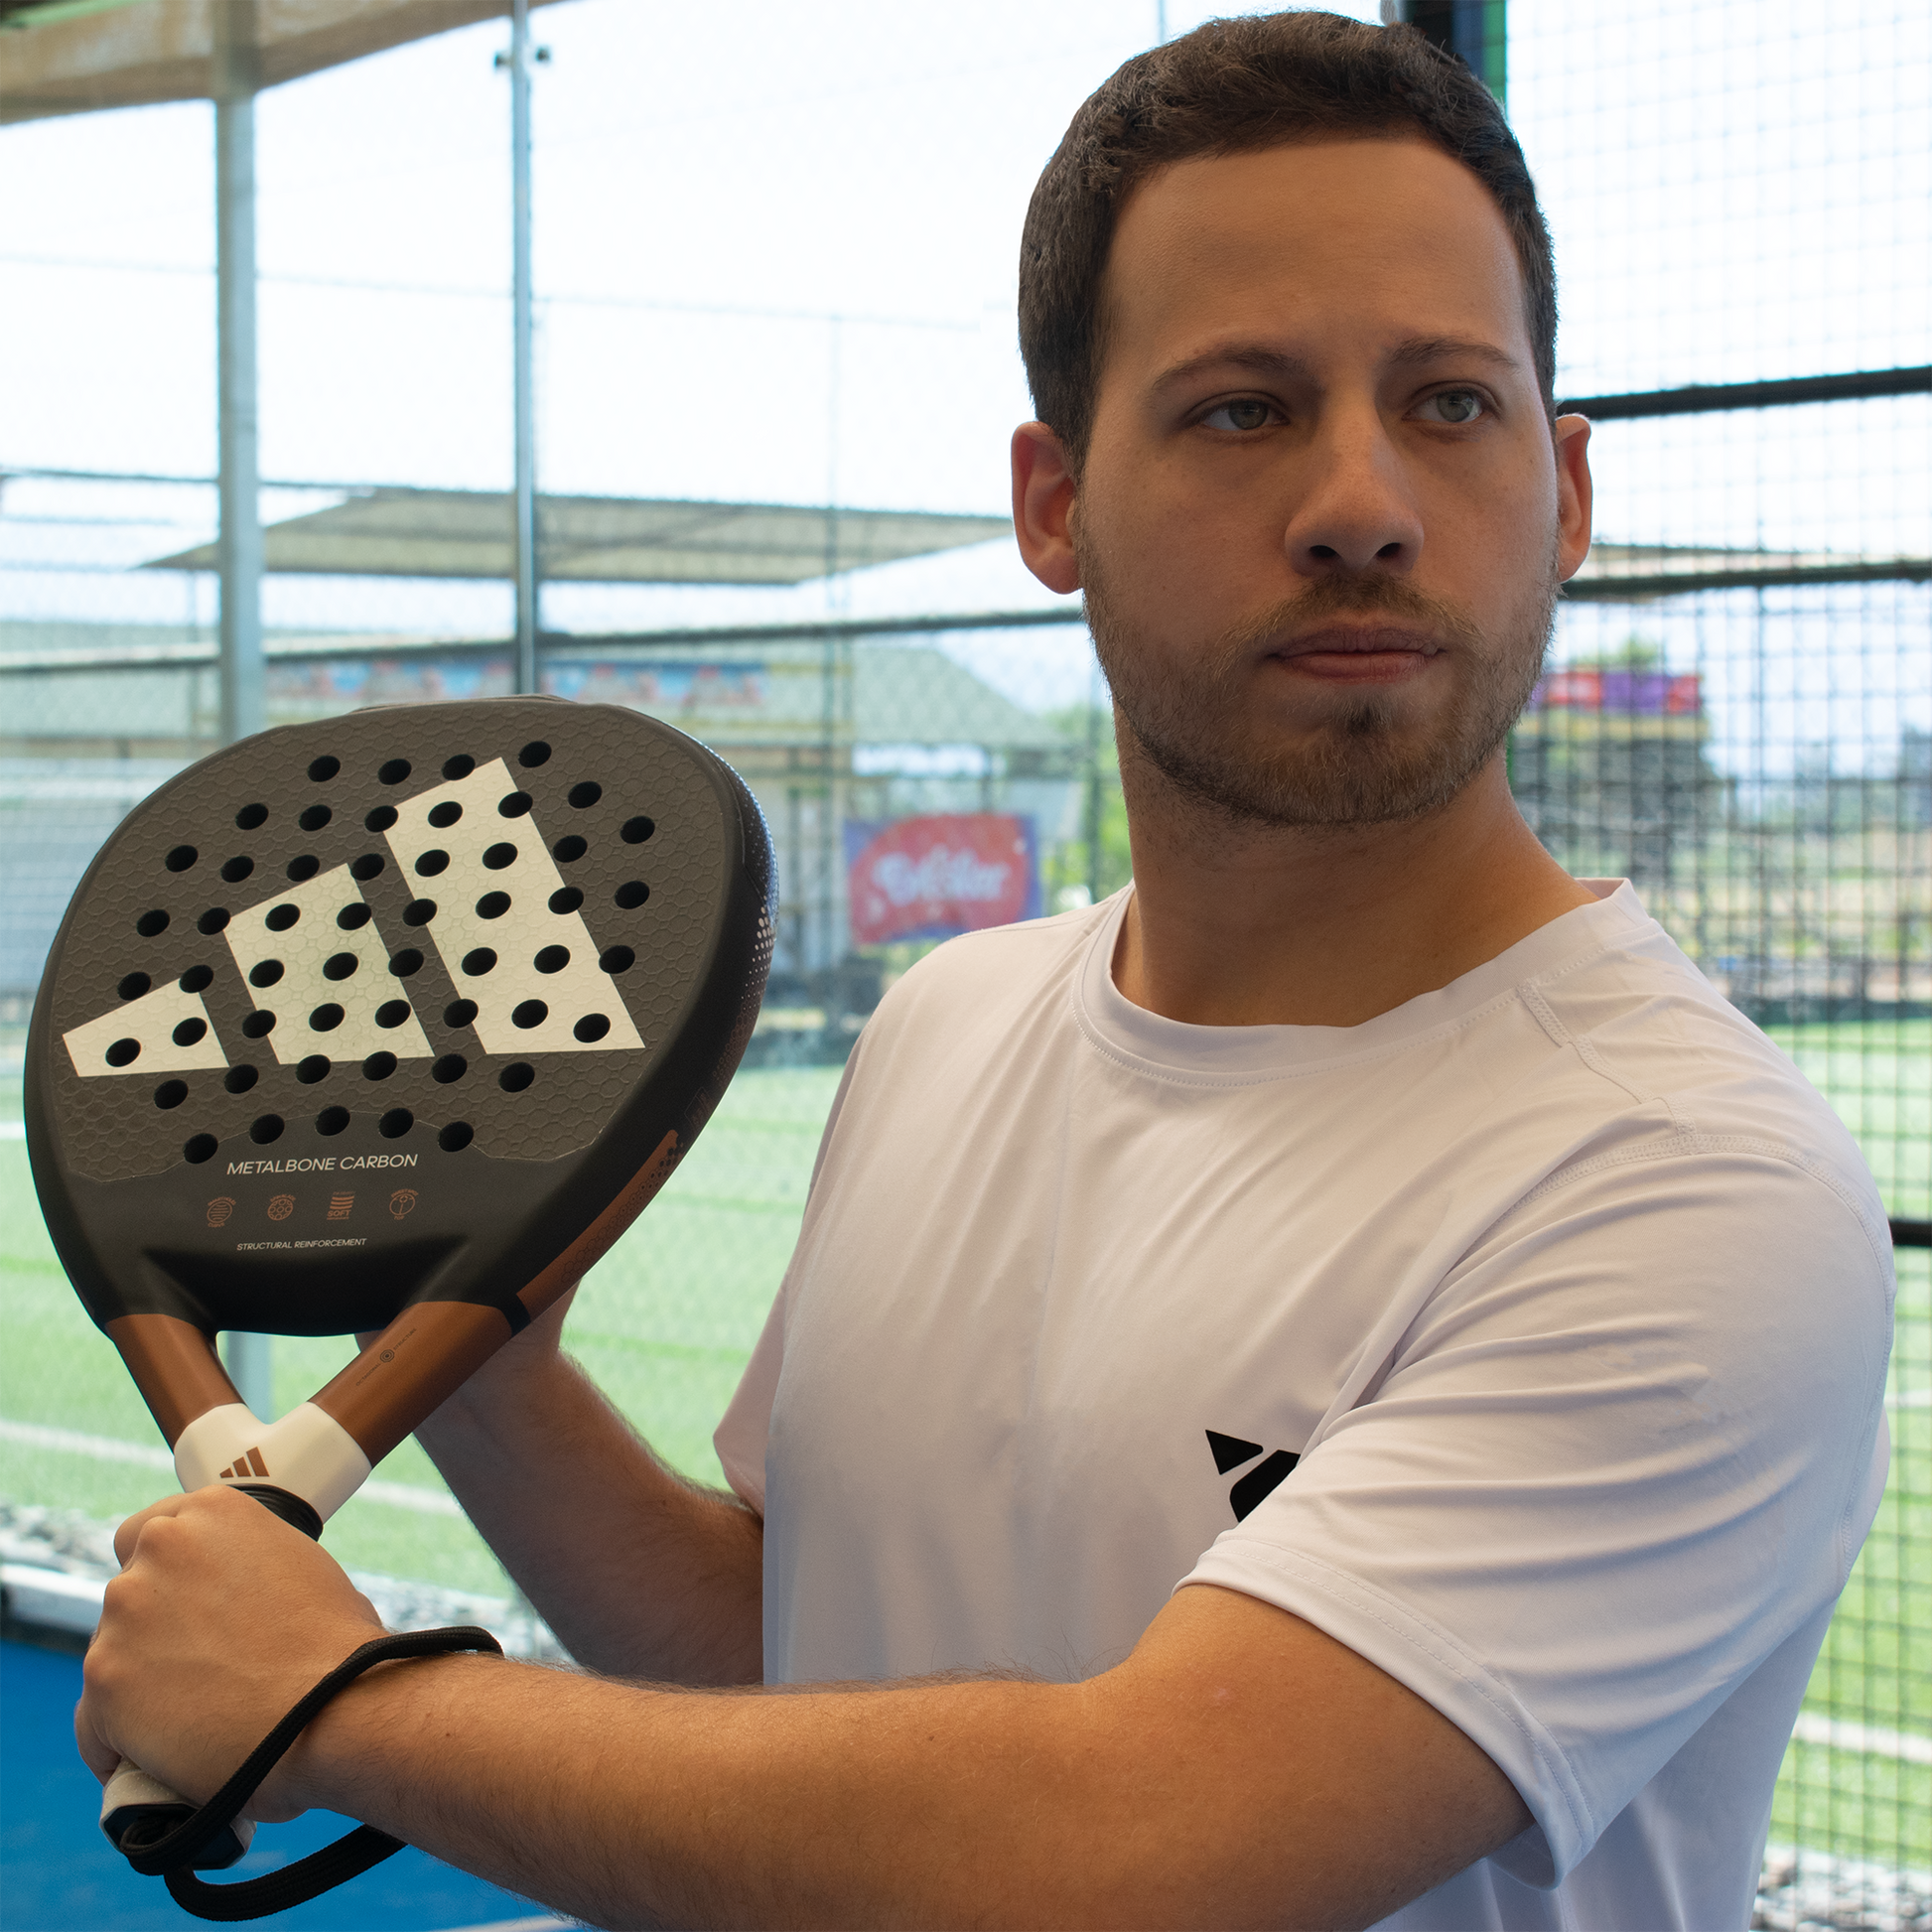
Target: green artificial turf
[
  {"x": 668, "y": 1319},
  {"x": 664, "y": 1323}
]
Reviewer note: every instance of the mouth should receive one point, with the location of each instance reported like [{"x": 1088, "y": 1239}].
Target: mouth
[{"x": 1358, "y": 653}]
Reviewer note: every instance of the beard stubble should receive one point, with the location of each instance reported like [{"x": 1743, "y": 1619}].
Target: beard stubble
[{"x": 1373, "y": 760}]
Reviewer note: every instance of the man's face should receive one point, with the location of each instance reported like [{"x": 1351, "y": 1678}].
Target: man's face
[{"x": 1321, "y": 523}]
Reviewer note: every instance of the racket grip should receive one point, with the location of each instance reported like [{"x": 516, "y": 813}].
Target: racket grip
[{"x": 137, "y": 1811}]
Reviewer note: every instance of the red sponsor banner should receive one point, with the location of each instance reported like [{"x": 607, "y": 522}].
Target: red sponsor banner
[
  {"x": 1685, "y": 698},
  {"x": 930, "y": 878},
  {"x": 1577, "y": 690},
  {"x": 1640, "y": 694}
]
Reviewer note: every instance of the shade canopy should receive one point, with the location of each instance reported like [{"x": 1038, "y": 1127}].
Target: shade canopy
[
  {"x": 598, "y": 539},
  {"x": 73, "y": 57}
]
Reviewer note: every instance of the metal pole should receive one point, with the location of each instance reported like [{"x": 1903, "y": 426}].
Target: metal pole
[
  {"x": 239, "y": 543},
  {"x": 830, "y": 949},
  {"x": 526, "y": 430},
  {"x": 832, "y": 941},
  {"x": 1476, "y": 31}
]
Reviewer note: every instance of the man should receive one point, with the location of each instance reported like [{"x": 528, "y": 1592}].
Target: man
[{"x": 1359, "y": 1222}]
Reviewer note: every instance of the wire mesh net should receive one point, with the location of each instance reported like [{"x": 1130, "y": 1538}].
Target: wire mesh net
[
  {"x": 1738, "y": 197},
  {"x": 1737, "y": 712}
]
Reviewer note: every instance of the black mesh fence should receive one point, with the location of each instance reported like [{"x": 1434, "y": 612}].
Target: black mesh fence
[{"x": 1737, "y": 712}]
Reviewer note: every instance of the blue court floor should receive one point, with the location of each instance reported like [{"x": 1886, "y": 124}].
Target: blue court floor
[{"x": 57, "y": 1874}]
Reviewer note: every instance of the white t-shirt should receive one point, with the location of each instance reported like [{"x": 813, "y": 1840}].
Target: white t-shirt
[{"x": 1530, "y": 1339}]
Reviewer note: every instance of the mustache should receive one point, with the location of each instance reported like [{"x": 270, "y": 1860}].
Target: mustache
[{"x": 1352, "y": 597}]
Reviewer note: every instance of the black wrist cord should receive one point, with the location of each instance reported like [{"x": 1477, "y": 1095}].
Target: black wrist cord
[{"x": 165, "y": 1849}]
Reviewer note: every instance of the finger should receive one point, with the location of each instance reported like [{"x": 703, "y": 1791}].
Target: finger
[
  {"x": 166, "y": 1684},
  {"x": 129, "y": 1533},
  {"x": 98, "y": 1756}
]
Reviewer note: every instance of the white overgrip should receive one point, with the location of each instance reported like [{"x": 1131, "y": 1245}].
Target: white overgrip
[{"x": 130, "y": 1794}]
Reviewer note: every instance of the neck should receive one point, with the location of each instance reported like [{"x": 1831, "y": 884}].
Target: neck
[{"x": 1233, "y": 924}]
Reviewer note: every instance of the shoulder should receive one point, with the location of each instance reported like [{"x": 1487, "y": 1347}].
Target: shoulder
[
  {"x": 1688, "y": 1075},
  {"x": 986, "y": 1012},
  {"x": 983, "y": 979}
]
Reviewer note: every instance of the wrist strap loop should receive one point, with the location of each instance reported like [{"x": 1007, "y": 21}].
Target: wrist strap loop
[{"x": 172, "y": 1856}]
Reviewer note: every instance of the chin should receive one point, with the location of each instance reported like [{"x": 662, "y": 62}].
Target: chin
[{"x": 1370, "y": 765}]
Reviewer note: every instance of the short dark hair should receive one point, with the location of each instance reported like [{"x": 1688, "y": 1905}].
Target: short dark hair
[{"x": 1233, "y": 87}]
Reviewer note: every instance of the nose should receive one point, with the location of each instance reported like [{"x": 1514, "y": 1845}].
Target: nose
[{"x": 1355, "y": 511}]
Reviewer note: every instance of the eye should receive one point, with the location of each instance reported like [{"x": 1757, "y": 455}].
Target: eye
[
  {"x": 1458, "y": 406},
  {"x": 1244, "y": 414}
]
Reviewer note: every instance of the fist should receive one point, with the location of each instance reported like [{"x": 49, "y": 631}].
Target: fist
[{"x": 222, "y": 1618}]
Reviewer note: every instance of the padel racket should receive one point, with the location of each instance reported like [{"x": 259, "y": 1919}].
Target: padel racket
[{"x": 392, "y": 1022}]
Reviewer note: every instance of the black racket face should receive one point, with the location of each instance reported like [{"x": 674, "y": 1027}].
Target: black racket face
[{"x": 388, "y": 1008}]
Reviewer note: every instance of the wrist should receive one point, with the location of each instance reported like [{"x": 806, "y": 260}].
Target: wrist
[{"x": 353, "y": 1754}]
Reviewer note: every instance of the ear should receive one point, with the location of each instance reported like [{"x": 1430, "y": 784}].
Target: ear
[
  {"x": 1043, "y": 496},
  {"x": 1574, "y": 492}
]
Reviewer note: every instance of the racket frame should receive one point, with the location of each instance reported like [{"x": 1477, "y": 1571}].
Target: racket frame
[{"x": 308, "y": 1462}]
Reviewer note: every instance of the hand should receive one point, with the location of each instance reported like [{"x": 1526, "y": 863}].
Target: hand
[{"x": 222, "y": 1618}]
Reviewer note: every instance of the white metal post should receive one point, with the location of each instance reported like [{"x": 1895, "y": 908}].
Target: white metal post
[
  {"x": 240, "y": 544},
  {"x": 525, "y": 398}
]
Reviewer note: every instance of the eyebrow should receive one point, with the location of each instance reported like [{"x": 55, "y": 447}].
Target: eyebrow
[
  {"x": 1262, "y": 360},
  {"x": 1436, "y": 349}
]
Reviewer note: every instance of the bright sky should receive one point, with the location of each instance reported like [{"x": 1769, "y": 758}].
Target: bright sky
[
  {"x": 711, "y": 184},
  {"x": 1738, "y": 189}
]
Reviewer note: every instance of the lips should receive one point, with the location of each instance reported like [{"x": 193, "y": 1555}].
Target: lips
[
  {"x": 1364, "y": 640},
  {"x": 1358, "y": 655}
]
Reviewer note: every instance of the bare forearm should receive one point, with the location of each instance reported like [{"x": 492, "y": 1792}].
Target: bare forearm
[
  {"x": 640, "y": 1572},
  {"x": 1239, "y": 1768},
  {"x": 632, "y": 1807}
]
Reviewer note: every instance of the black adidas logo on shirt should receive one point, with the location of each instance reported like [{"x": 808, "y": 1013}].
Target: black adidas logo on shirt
[{"x": 1230, "y": 1451}]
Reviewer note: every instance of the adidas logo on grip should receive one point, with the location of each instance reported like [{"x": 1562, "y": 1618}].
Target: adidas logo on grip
[{"x": 246, "y": 1467}]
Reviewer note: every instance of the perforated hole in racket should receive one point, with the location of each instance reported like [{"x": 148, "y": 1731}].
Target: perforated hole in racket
[
  {"x": 530, "y": 968},
  {"x": 330, "y": 1006}
]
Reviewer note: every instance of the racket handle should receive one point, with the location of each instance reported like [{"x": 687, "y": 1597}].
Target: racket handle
[{"x": 137, "y": 1811}]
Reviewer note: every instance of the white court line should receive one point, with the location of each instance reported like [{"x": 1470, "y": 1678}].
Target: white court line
[
  {"x": 545, "y": 1924},
  {"x": 31, "y": 1434},
  {"x": 1868, "y": 1741},
  {"x": 106, "y": 1449}
]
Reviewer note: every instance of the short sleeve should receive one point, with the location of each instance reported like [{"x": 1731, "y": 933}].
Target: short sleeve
[
  {"x": 1620, "y": 1457},
  {"x": 741, "y": 1437}
]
